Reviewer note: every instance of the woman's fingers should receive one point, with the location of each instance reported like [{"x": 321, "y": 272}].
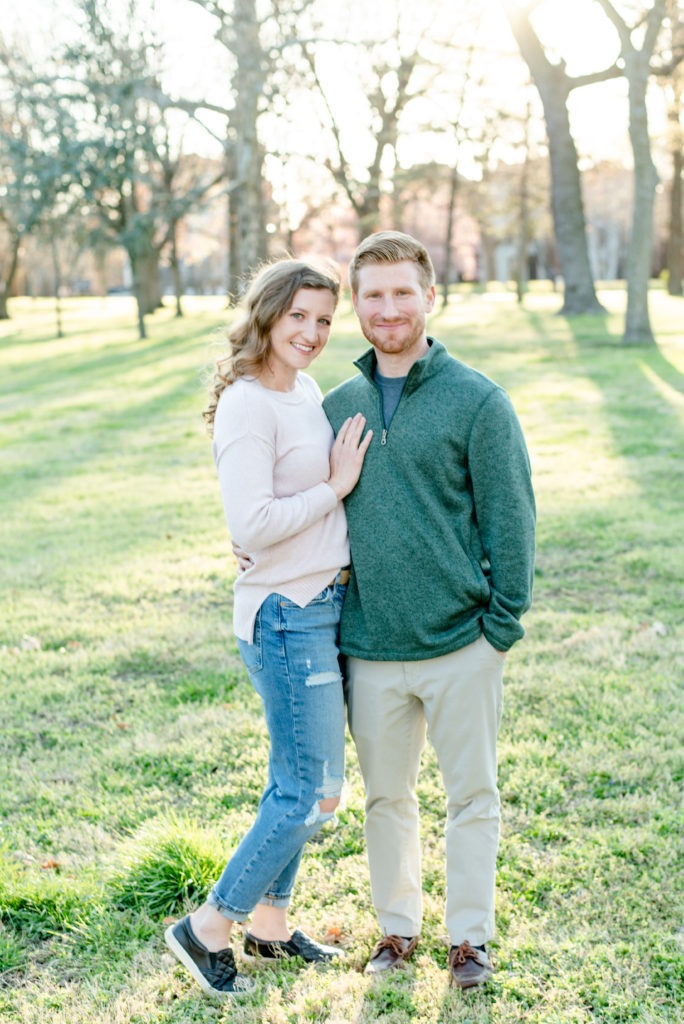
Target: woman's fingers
[
  {"x": 351, "y": 430},
  {"x": 244, "y": 560},
  {"x": 347, "y": 455},
  {"x": 363, "y": 447}
]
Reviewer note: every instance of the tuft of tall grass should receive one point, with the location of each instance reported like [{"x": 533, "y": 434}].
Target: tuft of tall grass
[{"x": 167, "y": 865}]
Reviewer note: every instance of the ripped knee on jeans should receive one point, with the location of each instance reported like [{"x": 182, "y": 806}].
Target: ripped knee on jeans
[
  {"x": 322, "y": 678},
  {"x": 322, "y": 810},
  {"x": 329, "y": 793}
]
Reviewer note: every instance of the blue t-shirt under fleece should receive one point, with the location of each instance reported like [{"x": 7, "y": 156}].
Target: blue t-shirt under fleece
[{"x": 390, "y": 388}]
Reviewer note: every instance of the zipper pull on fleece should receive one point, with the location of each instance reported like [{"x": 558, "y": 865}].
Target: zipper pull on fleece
[{"x": 383, "y": 439}]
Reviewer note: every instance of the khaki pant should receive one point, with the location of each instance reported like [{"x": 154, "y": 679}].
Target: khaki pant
[{"x": 459, "y": 698}]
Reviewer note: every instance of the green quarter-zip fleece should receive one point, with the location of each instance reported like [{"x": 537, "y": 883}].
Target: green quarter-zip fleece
[{"x": 441, "y": 523}]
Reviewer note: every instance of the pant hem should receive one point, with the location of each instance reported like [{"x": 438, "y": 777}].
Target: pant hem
[
  {"x": 224, "y": 911},
  {"x": 274, "y": 901},
  {"x": 407, "y": 931}
]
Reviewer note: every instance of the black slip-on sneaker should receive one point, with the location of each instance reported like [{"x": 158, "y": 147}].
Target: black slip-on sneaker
[
  {"x": 215, "y": 973},
  {"x": 299, "y": 944}
]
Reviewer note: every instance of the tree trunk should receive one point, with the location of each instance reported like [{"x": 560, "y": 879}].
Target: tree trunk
[
  {"x": 566, "y": 200},
  {"x": 7, "y": 281},
  {"x": 676, "y": 131},
  {"x": 674, "y": 242},
  {"x": 640, "y": 253},
  {"x": 637, "y": 68},
  {"x": 140, "y": 308},
  {"x": 448, "y": 241},
  {"x": 486, "y": 262},
  {"x": 145, "y": 273},
  {"x": 523, "y": 233},
  {"x": 148, "y": 279},
  {"x": 175, "y": 271},
  {"x": 235, "y": 271},
  {"x": 248, "y": 230},
  {"x": 566, "y": 191},
  {"x": 57, "y": 274},
  {"x": 368, "y": 210},
  {"x": 248, "y": 239}
]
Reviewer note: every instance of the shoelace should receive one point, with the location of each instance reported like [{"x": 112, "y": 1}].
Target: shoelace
[
  {"x": 393, "y": 942},
  {"x": 464, "y": 952}
]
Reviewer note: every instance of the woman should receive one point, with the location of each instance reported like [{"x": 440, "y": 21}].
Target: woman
[{"x": 282, "y": 480}]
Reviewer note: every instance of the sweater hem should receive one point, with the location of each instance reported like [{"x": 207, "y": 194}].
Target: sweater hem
[{"x": 435, "y": 651}]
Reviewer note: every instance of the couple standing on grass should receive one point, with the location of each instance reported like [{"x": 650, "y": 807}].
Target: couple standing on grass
[{"x": 428, "y": 481}]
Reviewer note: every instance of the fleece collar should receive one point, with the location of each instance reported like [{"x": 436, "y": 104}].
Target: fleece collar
[{"x": 423, "y": 368}]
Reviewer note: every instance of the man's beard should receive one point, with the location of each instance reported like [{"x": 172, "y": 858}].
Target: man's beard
[{"x": 412, "y": 333}]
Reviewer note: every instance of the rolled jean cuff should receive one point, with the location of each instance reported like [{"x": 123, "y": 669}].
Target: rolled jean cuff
[
  {"x": 274, "y": 901},
  {"x": 232, "y": 915}
]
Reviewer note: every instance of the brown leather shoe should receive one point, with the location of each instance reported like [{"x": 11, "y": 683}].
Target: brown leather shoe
[
  {"x": 468, "y": 966},
  {"x": 390, "y": 952}
]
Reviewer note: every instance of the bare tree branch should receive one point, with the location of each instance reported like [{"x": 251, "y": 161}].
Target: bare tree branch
[{"x": 579, "y": 81}]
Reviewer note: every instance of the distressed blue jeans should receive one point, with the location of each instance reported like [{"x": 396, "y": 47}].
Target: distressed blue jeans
[{"x": 293, "y": 666}]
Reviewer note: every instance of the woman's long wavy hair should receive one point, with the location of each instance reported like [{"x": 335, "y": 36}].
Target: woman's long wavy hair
[{"x": 268, "y": 297}]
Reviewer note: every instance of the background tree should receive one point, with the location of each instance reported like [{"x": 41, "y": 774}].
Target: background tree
[
  {"x": 387, "y": 92},
  {"x": 15, "y": 219},
  {"x": 521, "y": 264},
  {"x": 637, "y": 70},
  {"x": 132, "y": 155},
  {"x": 674, "y": 85},
  {"x": 387, "y": 55},
  {"x": 239, "y": 29},
  {"x": 459, "y": 132},
  {"x": 555, "y": 86},
  {"x": 257, "y": 38},
  {"x": 188, "y": 183},
  {"x": 321, "y": 120},
  {"x": 110, "y": 65},
  {"x": 37, "y": 151}
]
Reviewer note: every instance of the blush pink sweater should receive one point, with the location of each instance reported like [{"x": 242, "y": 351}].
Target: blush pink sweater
[{"x": 272, "y": 453}]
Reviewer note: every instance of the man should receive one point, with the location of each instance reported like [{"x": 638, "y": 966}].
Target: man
[{"x": 441, "y": 526}]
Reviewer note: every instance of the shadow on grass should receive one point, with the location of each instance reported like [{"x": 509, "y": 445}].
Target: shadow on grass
[
  {"x": 98, "y": 443},
  {"x": 67, "y": 372},
  {"x": 641, "y": 389},
  {"x": 640, "y": 385},
  {"x": 663, "y": 370}
]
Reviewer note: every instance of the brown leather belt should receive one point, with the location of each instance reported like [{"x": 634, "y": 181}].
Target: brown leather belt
[{"x": 342, "y": 577}]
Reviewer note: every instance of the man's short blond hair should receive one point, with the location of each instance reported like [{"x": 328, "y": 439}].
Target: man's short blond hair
[{"x": 387, "y": 247}]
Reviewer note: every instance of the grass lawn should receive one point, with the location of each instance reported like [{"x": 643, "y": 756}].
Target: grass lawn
[{"x": 132, "y": 748}]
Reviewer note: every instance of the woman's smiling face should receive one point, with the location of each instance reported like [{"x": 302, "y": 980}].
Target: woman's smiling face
[{"x": 300, "y": 334}]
